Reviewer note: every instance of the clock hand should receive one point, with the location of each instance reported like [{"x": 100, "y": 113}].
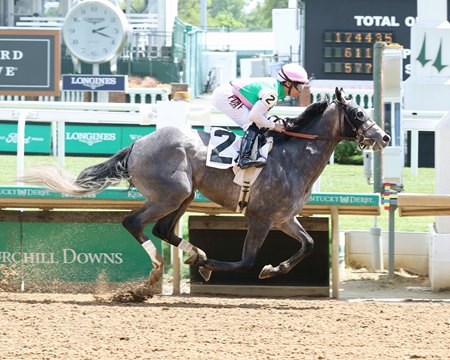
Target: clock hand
[
  {"x": 99, "y": 29},
  {"x": 102, "y": 34}
]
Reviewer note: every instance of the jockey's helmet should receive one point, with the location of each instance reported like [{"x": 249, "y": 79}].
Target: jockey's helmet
[{"x": 293, "y": 73}]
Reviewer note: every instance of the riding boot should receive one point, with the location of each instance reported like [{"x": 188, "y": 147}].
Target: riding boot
[
  {"x": 245, "y": 152},
  {"x": 262, "y": 161}
]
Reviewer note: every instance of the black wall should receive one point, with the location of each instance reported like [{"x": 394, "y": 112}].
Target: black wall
[{"x": 222, "y": 238}]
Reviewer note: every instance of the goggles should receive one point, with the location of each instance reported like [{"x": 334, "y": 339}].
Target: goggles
[{"x": 299, "y": 86}]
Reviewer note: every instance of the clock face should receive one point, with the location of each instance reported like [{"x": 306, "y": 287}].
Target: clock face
[{"x": 95, "y": 31}]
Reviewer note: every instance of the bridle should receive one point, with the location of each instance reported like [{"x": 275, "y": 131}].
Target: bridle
[{"x": 359, "y": 132}]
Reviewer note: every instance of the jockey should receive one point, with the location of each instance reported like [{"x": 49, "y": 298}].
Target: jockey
[{"x": 247, "y": 102}]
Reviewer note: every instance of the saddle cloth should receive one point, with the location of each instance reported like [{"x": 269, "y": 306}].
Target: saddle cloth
[{"x": 223, "y": 150}]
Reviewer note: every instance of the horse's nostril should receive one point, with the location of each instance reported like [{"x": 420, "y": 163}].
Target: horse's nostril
[{"x": 386, "y": 138}]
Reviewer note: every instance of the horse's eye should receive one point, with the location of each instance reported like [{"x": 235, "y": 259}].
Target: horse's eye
[{"x": 360, "y": 114}]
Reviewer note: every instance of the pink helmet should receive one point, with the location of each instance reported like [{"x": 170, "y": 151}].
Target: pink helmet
[{"x": 294, "y": 73}]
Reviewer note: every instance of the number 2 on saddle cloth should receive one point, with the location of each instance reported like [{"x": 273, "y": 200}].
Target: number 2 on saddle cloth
[{"x": 223, "y": 148}]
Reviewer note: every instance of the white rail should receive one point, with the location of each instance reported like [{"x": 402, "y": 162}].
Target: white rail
[
  {"x": 136, "y": 21},
  {"x": 139, "y": 95},
  {"x": 136, "y": 95},
  {"x": 59, "y": 113},
  {"x": 363, "y": 97}
]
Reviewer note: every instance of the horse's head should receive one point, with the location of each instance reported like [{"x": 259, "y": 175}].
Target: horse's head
[{"x": 368, "y": 133}]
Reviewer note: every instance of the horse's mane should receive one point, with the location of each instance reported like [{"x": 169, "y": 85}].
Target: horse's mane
[{"x": 303, "y": 120}]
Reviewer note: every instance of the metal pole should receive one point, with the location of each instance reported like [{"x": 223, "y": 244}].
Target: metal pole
[
  {"x": 95, "y": 71},
  {"x": 392, "y": 208},
  {"x": 203, "y": 10},
  {"x": 378, "y": 110},
  {"x": 301, "y": 56}
]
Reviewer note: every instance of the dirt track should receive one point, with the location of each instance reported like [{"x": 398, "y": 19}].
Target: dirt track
[{"x": 62, "y": 326}]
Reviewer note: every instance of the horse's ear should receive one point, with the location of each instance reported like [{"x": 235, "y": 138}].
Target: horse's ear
[{"x": 338, "y": 94}]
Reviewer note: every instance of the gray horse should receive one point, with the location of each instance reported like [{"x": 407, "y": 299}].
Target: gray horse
[{"x": 168, "y": 166}]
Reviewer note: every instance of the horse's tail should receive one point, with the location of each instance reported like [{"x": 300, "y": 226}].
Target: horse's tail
[{"x": 90, "y": 181}]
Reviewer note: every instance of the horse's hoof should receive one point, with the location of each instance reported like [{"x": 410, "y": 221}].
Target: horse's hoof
[
  {"x": 155, "y": 275},
  {"x": 191, "y": 259},
  {"x": 266, "y": 272},
  {"x": 205, "y": 273},
  {"x": 195, "y": 258}
]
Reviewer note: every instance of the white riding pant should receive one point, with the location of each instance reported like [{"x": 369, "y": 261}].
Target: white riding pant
[{"x": 221, "y": 100}]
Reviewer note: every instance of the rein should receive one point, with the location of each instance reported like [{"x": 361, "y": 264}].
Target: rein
[
  {"x": 358, "y": 137},
  {"x": 317, "y": 137}
]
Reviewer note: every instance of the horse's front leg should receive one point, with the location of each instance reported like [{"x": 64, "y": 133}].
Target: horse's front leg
[
  {"x": 157, "y": 261},
  {"x": 295, "y": 230},
  {"x": 256, "y": 234}
]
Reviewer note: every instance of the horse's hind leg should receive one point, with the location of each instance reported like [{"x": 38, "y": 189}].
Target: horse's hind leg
[
  {"x": 151, "y": 212},
  {"x": 295, "y": 230},
  {"x": 135, "y": 224},
  {"x": 165, "y": 229},
  {"x": 165, "y": 226}
]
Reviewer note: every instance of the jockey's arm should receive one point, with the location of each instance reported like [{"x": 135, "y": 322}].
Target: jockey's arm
[
  {"x": 258, "y": 116},
  {"x": 258, "y": 113}
]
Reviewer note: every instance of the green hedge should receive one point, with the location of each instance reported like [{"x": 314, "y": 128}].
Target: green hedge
[{"x": 348, "y": 152}]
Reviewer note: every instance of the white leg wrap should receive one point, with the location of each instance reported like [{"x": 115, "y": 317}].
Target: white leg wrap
[
  {"x": 151, "y": 250},
  {"x": 186, "y": 247}
]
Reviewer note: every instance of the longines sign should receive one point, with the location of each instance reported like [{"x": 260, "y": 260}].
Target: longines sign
[
  {"x": 94, "y": 82},
  {"x": 30, "y": 62}
]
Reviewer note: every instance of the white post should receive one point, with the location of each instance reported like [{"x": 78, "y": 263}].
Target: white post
[
  {"x": 414, "y": 152},
  {"x": 54, "y": 137},
  {"x": 21, "y": 143},
  {"x": 377, "y": 247},
  {"x": 176, "y": 273},
  {"x": 335, "y": 252},
  {"x": 440, "y": 232},
  {"x": 442, "y": 151},
  {"x": 427, "y": 86},
  {"x": 61, "y": 142}
]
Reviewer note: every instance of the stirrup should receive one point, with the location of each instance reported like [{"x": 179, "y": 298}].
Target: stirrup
[
  {"x": 250, "y": 163},
  {"x": 245, "y": 165},
  {"x": 261, "y": 162}
]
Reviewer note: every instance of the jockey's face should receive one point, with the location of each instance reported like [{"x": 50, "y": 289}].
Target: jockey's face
[{"x": 291, "y": 90}]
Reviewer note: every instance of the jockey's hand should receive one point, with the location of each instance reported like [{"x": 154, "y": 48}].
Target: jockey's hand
[{"x": 279, "y": 127}]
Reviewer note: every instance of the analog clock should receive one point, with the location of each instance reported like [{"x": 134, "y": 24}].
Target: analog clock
[{"x": 95, "y": 31}]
